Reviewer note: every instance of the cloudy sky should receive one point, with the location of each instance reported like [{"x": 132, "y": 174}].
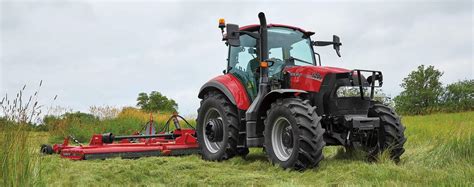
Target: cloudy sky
[{"x": 106, "y": 52}]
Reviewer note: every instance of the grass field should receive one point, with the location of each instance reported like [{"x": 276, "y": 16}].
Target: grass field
[{"x": 439, "y": 151}]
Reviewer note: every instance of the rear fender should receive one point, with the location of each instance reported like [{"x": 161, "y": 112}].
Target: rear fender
[{"x": 231, "y": 87}]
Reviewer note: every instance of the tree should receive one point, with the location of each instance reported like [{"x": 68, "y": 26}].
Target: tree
[
  {"x": 459, "y": 96},
  {"x": 156, "y": 102},
  {"x": 422, "y": 91}
]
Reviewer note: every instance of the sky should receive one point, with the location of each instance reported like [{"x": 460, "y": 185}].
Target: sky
[{"x": 98, "y": 53}]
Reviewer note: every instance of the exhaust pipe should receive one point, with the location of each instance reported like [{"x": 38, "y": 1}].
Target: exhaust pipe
[
  {"x": 263, "y": 48},
  {"x": 253, "y": 139}
]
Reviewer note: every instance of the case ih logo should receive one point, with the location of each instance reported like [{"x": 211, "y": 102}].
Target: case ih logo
[
  {"x": 295, "y": 74},
  {"x": 314, "y": 76}
]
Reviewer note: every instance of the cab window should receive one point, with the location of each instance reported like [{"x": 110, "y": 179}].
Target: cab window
[{"x": 243, "y": 63}]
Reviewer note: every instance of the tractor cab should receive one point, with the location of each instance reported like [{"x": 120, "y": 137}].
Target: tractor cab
[{"x": 287, "y": 46}]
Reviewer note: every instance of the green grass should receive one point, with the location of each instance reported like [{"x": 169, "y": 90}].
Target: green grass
[
  {"x": 439, "y": 151},
  {"x": 20, "y": 161}
]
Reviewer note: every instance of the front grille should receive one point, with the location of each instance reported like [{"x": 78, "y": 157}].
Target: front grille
[{"x": 348, "y": 106}]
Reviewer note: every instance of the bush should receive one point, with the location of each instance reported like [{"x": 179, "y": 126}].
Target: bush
[{"x": 459, "y": 96}]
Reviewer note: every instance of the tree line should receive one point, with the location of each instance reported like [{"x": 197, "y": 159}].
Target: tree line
[{"x": 423, "y": 93}]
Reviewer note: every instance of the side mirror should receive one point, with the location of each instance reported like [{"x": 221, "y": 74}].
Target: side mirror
[
  {"x": 233, "y": 35},
  {"x": 336, "y": 44}
]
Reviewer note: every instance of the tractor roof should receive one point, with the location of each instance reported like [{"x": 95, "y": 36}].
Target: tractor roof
[{"x": 255, "y": 27}]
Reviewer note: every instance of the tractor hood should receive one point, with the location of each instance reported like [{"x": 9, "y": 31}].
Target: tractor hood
[
  {"x": 310, "y": 78},
  {"x": 316, "y": 72},
  {"x": 318, "y": 69}
]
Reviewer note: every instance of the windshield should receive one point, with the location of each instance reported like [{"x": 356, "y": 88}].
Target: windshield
[{"x": 290, "y": 45}]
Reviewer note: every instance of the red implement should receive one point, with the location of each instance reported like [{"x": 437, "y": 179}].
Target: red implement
[{"x": 101, "y": 146}]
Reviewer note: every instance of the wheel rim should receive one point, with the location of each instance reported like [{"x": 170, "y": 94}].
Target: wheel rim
[
  {"x": 282, "y": 139},
  {"x": 212, "y": 147}
]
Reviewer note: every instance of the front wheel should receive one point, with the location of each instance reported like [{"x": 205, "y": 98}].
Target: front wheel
[
  {"x": 390, "y": 136},
  {"x": 293, "y": 134},
  {"x": 391, "y": 133}
]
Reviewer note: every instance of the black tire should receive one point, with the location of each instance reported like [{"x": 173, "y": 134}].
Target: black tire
[
  {"x": 216, "y": 101},
  {"x": 306, "y": 134},
  {"x": 46, "y": 149},
  {"x": 391, "y": 134},
  {"x": 243, "y": 152}
]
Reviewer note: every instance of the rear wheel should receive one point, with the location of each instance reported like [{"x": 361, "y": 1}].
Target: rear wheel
[
  {"x": 217, "y": 127},
  {"x": 293, "y": 134}
]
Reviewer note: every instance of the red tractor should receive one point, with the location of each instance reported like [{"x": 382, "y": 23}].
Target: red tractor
[{"x": 274, "y": 95}]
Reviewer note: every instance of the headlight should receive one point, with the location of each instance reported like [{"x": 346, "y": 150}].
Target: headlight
[{"x": 352, "y": 91}]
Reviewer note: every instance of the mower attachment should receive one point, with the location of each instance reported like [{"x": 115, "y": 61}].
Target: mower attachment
[{"x": 101, "y": 146}]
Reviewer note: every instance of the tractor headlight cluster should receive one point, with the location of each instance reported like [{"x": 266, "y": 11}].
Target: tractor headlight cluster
[{"x": 352, "y": 91}]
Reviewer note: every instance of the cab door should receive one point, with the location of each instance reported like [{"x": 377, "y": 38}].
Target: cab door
[{"x": 243, "y": 63}]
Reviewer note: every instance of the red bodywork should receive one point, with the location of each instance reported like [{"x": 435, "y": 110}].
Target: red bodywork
[
  {"x": 183, "y": 144},
  {"x": 310, "y": 78},
  {"x": 307, "y": 78},
  {"x": 235, "y": 87}
]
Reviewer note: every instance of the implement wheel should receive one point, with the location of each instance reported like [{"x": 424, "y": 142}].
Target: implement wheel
[{"x": 46, "y": 149}]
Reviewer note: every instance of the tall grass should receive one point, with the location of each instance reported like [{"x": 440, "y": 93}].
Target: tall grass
[
  {"x": 447, "y": 139},
  {"x": 21, "y": 164}
]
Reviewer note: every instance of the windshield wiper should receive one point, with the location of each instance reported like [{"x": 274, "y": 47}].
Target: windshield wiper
[{"x": 297, "y": 59}]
